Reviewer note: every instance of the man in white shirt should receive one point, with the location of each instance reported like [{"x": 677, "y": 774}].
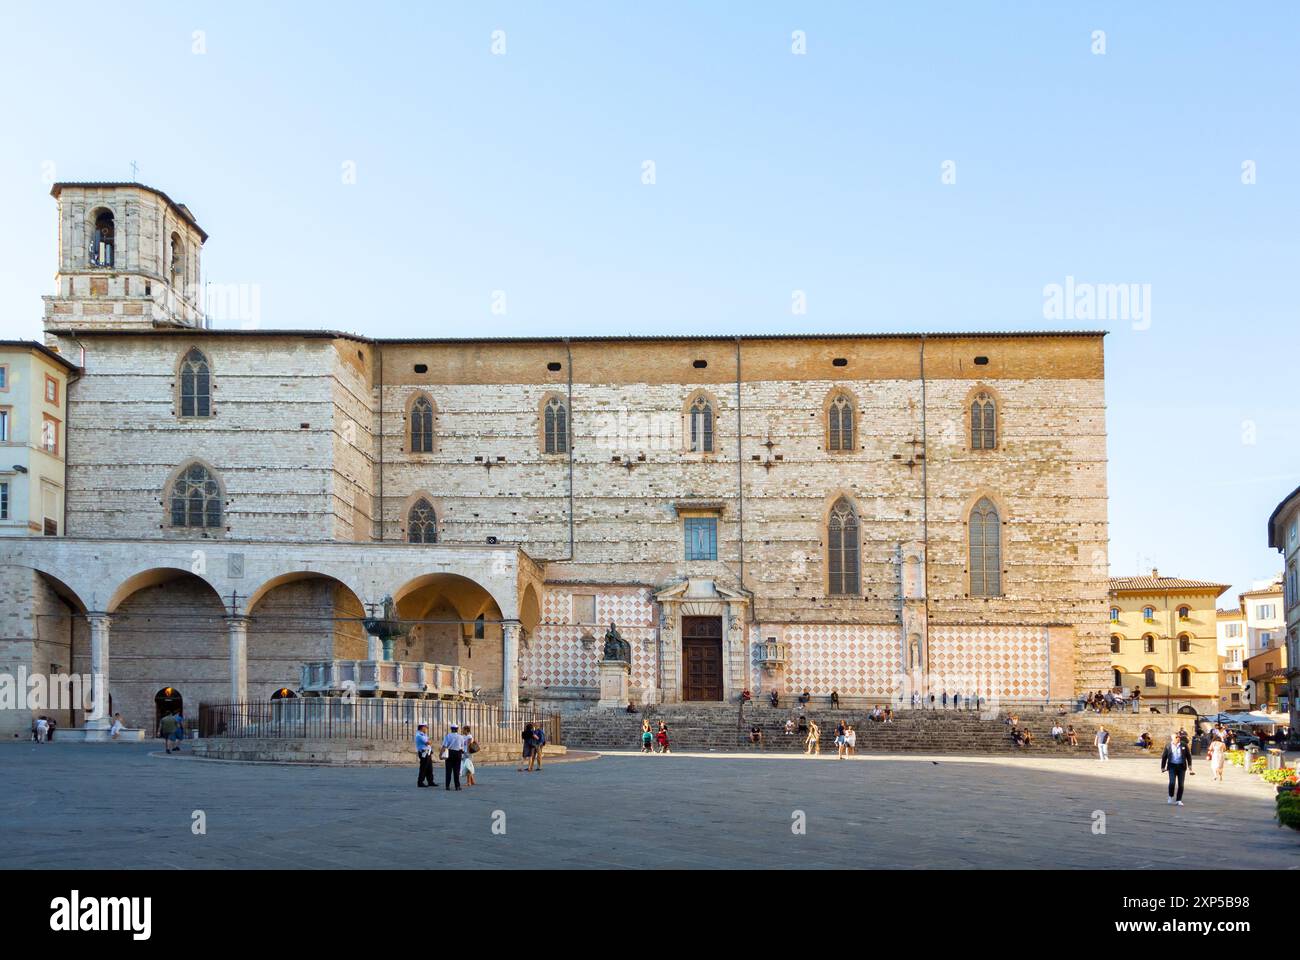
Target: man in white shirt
[
  {"x": 454, "y": 744},
  {"x": 42, "y": 728},
  {"x": 424, "y": 750}
]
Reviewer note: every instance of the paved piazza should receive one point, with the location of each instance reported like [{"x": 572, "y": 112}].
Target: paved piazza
[{"x": 127, "y": 806}]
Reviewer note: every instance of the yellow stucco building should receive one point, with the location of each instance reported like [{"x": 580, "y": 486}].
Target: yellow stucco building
[
  {"x": 1164, "y": 641},
  {"x": 33, "y": 427}
]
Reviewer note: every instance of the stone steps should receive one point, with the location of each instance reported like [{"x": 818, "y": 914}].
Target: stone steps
[{"x": 718, "y": 728}]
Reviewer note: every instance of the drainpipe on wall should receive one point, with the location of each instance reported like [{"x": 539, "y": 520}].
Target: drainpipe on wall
[
  {"x": 740, "y": 474},
  {"x": 925, "y": 521},
  {"x": 568, "y": 367}
]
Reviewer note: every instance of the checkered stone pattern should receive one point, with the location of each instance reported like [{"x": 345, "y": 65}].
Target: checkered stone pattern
[
  {"x": 557, "y": 657},
  {"x": 1005, "y": 662},
  {"x": 854, "y": 660}
]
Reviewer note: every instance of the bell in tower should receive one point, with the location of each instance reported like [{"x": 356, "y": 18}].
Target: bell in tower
[{"x": 128, "y": 259}]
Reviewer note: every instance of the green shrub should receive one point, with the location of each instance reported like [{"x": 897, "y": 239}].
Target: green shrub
[{"x": 1288, "y": 810}]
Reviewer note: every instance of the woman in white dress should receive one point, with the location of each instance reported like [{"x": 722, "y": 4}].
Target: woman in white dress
[
  {"x": 1217, "y": 751},
  {"x": 467, "y": 757}
]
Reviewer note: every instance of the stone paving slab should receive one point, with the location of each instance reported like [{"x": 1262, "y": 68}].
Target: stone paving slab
[{"x": 88, "y": 806}]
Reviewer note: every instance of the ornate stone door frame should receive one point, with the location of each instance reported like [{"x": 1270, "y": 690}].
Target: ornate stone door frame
[{"x": 698, "y": 597}]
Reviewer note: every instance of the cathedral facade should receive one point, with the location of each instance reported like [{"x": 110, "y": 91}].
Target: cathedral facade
[{"x": 867, "y": 514}]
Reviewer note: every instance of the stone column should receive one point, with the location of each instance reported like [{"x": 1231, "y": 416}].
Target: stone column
[
  {"x": 237, "y": 628},
  {"x": 510, "y": 666},
  {"x": 99, "y": 715}
]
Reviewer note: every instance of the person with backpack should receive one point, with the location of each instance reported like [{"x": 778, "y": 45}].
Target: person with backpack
[
  {"x": 1102, "y": 742},
  {"x": 167, "y": 730}
]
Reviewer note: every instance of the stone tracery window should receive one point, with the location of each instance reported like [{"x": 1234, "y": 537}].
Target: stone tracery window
[
  {"x": 195, "y": 499},
  {"x": 422, "y": 523},
  {"x": 983, "y": 423},
  {"x": 842, "y": 549},
  {"x": 555, "y": 426},
  {"x": 422, "y": 426},
  {"x": 196, "y": 385},
  {"x": 701, "y": 425},
  {"x": 985, "y": 550},
  {"x": 839, "y": 425}
]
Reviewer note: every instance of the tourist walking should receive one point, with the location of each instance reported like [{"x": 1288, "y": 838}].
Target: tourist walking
[
  {"x": 424, "y": 755},
  {"x": 453, "y": 749},
  {"x": 467, "y": 758},
  {"x": 647, "y": 738},
  {"x": 814, "y": 744},
  {"x": 1102, "y": 742},
  {"x": 167, "y": 730},
  {"x": 1177, "y": 760},
  {"x": 539, "y": 744},
  {"x": 1217, "y": 754},
  {"x": 841, "y": 744},
  {"x": 850, "y": 739},
  {"x": 527, "y": 737}
]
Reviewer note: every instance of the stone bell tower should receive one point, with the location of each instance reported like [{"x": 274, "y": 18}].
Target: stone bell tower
[{"x": 128, "y": 259}]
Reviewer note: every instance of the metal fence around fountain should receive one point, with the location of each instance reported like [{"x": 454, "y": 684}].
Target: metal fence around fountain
[{"x": 369, "y": 718}]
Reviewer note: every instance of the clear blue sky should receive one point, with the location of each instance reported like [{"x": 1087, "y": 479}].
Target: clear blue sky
[{"x": 522, "y": 172}]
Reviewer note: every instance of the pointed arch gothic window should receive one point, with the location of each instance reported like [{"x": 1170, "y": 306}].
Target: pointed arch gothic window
[
  {"x": 701, "y": 420},
  {"x": 421, "y": 523},
  {"x": 196, "y": 385},
  {"x": 983, "y": 423},
  {"x": 422, "y": 426},
  {"x": 555, "y": 426},
  {"x": 195, "y": 499},
  {"x": 842, "y": 549},
  {"x": 839, "y": 426},
  {"x": 985, "y": 550}
]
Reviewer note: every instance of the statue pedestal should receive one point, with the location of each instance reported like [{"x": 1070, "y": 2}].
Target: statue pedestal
[{"x": 613, "y": 683}]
